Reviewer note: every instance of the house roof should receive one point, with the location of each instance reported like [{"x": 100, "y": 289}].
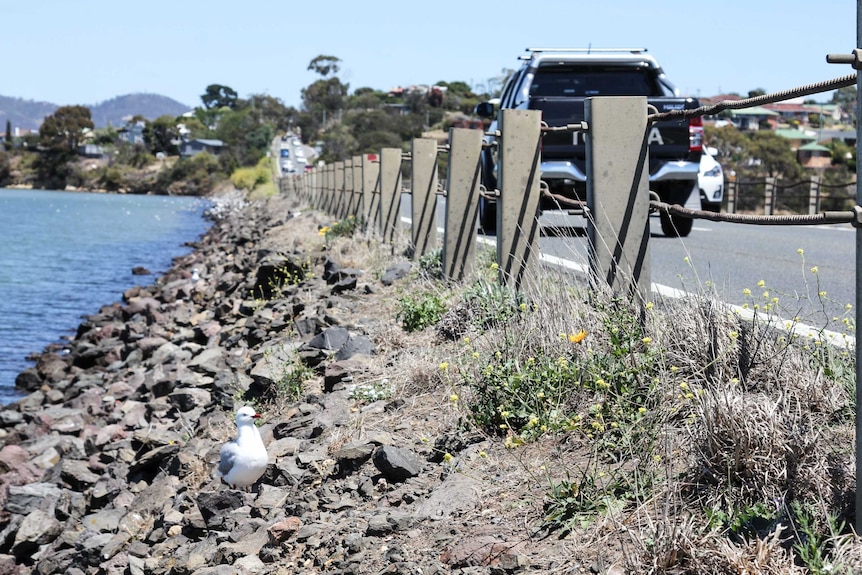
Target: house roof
[
  {"x": 755, "y": 111},
  {"x": 213, "y": 143},
  {"x": 793, "y": 134},
  {"x": 814, "y": 147}
]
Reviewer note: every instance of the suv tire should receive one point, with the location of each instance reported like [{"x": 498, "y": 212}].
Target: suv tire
[{"x": 675, "y": 226}]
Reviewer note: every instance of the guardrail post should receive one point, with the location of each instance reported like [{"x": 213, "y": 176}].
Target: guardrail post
[
  {"x": 390, "y": 192},
  {"x": 618, "y": 194},
  {"x": 349, "y": 189},
  {"x": 814, "y": 195},
  {"x": 517, "y": 207},
  {"x": 371, "y": 191},
  {"x": 423, "y": 184},
  {"x": 769, "y": 197},
  {"x": 356, "y": 179},
  {"x": 340, "y": 196},
  {"x": 462, "y": 202},
  {"x": 731, "y": 197},
  {"x": 331, "y": 191}
]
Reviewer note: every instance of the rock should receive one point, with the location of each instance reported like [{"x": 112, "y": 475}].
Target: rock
[
  {"x": 397, "y": 464},
  {"x": 213, "y": 506},
  {"x": 396, "y": 272},
  {"x": 37, "y": 528}
]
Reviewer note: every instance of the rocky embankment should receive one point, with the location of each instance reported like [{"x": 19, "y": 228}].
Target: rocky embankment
[{"x": 108, "y": 463}]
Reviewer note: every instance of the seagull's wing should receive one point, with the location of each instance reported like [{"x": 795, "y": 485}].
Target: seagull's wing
[{"x": 228, "y": 455}]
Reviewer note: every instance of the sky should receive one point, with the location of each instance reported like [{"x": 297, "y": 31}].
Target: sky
[{"x": 69, "y": 52}]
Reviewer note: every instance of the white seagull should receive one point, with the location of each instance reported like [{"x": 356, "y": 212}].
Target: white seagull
[{"x": 244, "y": 459}]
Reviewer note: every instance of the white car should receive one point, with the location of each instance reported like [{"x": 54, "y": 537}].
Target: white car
[{"x": 710, "y": 181}]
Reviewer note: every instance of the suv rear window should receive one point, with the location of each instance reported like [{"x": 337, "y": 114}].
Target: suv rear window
[{"x": 584, "y": 81}]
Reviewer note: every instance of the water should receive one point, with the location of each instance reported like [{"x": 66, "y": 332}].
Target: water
[{"x": 63, "y": 255}]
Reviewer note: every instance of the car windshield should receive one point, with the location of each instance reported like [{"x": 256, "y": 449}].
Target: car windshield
[{"x": 595, "y": 80}]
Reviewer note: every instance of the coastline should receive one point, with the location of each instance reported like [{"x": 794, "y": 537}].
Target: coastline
[{"x": 109, "y": 459}]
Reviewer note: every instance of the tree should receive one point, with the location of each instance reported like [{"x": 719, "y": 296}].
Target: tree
[
  {"x": 325, "y": 65},
  {"x": 7, "y": 143},
  {"x": 161, "y": 135},
  {"x": 64, "y": 130},
  {"x": 218, "y": 96},
  {"x": 756, "y": 92},
  {"x": 775, "y": 155}
]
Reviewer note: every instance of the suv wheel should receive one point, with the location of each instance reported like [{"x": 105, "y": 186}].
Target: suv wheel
[
  {"x": 675, "y": 226},
  {"x": 487, "y": 216}
]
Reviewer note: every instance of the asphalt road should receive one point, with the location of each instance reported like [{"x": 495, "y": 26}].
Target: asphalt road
[{"x": 726, "y": 259}]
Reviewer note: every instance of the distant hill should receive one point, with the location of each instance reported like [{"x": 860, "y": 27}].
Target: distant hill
[{"x": 28, "y": 114}]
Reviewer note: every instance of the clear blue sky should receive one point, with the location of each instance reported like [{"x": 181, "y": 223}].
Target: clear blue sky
[{"x": 88, "y": 51}]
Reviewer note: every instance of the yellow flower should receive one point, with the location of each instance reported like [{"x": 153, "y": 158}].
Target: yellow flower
[
  {"x": 444, "y": 366},
  {"x": 761, "y": 283},
  {"x": 685, "y": 259},
  {"x": 800, "y": 251},
  {"x": 822, "y": 293},
  {"x": 466, "y": 341},
  {"x": 765, "y": 294},
  {"x": 522, "y": 307},
  {"x": 578, "y": 337},
  {"x": 734, "y": 334},
  {"x": 495, "y": 266},
  {"x": 453, "y": 398},
  {"x": 674, "y": 368},
  {"x": 476, "y": 355},
  {"x": 814, "y": 270},
  {"x": 322, "y": 231},
  {"x": 649, "y": 305},
  {"x": 483, "y": 454},
  {"x": 647, "y": 340},
  {"x": 534, "y": 421},
  {"x": 642, "y": 409},
  {"x": 540, "y": 395},
  {"x": 447, "y": 457},
  {"x": 746, "y": 291}
]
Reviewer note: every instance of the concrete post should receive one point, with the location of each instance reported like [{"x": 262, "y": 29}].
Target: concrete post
[
  {"x": 518, "y": 227},
  {"x": 618, "y": 194},
  {"x": 814, "y": 195},
  {"x": 390, "y": 192},
  {"x": 340, "y": 200},
  {"x": 731, "y": 197},
  {"x": 371, "y": 191},
  {"x": 423, "y": 183},
  {"x": 769, "y": 197},
  {"x": 356, "y": 178},
  {"x": 462, "y": 202}
]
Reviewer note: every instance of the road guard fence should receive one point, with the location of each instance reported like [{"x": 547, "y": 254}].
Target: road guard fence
[{"x": 618, "y": 203}]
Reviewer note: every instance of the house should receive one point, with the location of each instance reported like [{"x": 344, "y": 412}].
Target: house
[
  {"x": 798, "y": 138},
  {"x": 192, "y": 147},
  {"x": 813, "y": 155},
  {"x": 753, "y": 118},
  {"x": 133, "y": 133}
]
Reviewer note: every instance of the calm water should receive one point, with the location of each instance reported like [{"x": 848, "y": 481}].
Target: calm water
[{"x": 63, "y": 255}]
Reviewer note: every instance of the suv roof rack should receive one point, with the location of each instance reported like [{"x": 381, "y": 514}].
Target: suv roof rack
[{"x": 583, "y": 50}]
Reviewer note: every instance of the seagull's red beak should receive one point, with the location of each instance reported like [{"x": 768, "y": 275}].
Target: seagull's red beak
[{"x": 256, "y": 416}]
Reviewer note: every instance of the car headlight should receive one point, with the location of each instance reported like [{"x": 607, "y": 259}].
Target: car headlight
[{"x": 714, "y": 172}]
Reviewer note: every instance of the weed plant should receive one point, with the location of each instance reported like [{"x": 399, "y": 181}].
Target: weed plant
[{"x": 686, "y": 419}]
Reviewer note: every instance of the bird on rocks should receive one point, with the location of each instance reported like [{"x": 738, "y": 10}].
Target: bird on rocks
[{"x": 244, "y": 459}]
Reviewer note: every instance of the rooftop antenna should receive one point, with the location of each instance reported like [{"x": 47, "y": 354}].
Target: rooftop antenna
[{"x": 589, "y": 47}]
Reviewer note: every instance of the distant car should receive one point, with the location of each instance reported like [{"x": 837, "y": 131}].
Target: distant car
[{"x": 710, "y": 181}]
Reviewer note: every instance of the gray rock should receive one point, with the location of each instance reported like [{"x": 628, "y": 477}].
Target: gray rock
[
  {"x": 332, "y": 338},
  {"x": 190, "y": 398},
  {"x": 359, "y": 344},
  {"x": 457, "y": 493},
  {"x": 37, "y": 528},
  {"x": 23, "y": 499},
  {"x": 395, "y": 272},
  {"x": 397, "y": 464},
  {"x": 214, "y": 506}
]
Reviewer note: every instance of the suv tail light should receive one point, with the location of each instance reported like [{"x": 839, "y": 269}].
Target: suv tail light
[{"x": 695, "y": 134}]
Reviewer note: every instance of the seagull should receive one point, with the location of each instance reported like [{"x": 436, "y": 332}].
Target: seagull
[
  {"x": 244, "y": 459},
  {"x": 195, "y": 275}
]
